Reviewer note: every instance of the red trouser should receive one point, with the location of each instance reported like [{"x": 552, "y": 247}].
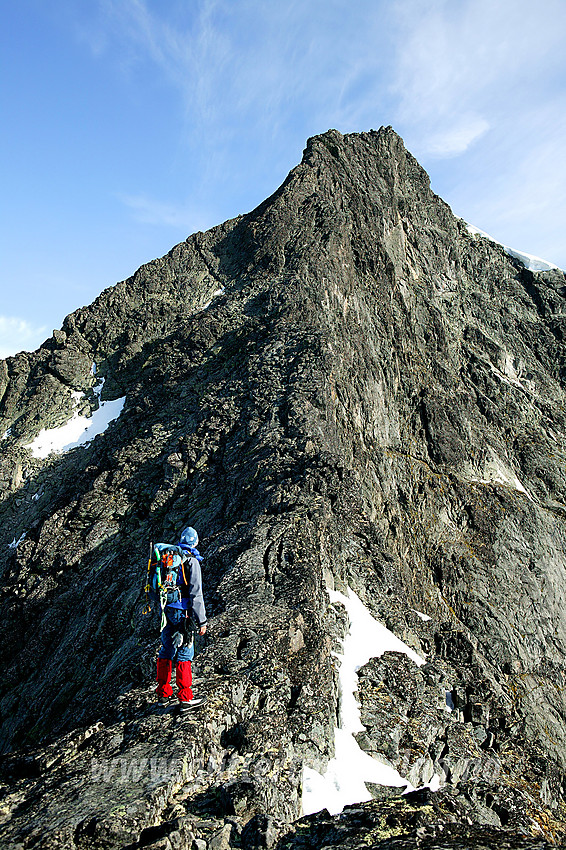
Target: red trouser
[{"x": 184, "y": 679}]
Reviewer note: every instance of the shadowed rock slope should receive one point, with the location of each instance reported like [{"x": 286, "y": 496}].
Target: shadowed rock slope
[{"x": 344, "y": 388}]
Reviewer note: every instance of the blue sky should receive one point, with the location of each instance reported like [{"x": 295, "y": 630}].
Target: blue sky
[{"x": 129, "y": 124}]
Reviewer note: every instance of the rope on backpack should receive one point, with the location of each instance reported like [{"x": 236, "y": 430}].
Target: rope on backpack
[{"x": 147, "y": 609}]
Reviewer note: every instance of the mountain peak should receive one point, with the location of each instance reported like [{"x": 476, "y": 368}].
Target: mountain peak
[
  {"x": 359, "y": 405},
  {"x": 382, "y": 147}
]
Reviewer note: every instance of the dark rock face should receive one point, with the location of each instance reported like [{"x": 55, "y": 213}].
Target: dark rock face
[
  {"x": 427, "y": 820},
  {"x": 342, "y": 388}
]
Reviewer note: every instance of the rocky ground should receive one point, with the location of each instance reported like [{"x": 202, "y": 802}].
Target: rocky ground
[{"x": 344, "y": 388}]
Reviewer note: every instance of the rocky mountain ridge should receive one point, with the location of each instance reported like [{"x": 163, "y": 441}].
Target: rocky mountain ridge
[{"x": 344, "y": 388}]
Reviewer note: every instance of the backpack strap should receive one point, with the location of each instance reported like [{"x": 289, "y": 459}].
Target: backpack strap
[
  {"x": 183, "y": 572},
  {"x": 163, "y": 601}
]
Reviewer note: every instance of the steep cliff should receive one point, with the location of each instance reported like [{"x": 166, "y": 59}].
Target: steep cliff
[{"x": 343, "y": 389}]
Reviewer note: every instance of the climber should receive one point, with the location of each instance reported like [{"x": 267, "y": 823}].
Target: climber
[{"x": 178, "y": 604}]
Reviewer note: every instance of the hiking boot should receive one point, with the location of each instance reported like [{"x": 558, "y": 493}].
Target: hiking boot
[{"x": 190, "y": 705}]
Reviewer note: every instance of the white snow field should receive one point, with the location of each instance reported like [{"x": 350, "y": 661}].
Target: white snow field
[
  {"x": 78, "y": 430},
  {"x": 343, "y": 783},
  {"x": 534, "y": 264}
]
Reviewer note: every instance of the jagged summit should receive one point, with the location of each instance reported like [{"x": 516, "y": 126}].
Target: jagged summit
[{"x": 342, "y": 389}]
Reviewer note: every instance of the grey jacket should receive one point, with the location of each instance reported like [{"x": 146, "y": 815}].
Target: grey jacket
[
  {"x": 189, "y": 583},
  {"x": 191, "y": 593}
]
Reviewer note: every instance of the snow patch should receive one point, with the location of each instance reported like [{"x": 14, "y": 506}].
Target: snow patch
[
  {"x": 220, "y": 291},
  {"x": 495, "y": 472},
  {"x": 420, "y": 614},
  {"x": 449, "y": 701},
  {"x": 434, "y": 783},
  {"x": 510, "y": 371},
  {"x": 79, "y": 430},
  {"x": 15, "y": 543},
  {"x": 6, "y": 434},
  {"x": 344, "y": 780},
  {"x": 510, "y": 379},
  {"x": 534, "y": 264}
]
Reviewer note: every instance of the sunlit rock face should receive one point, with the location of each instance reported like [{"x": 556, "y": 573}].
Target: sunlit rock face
[{"x": 344, "y": 389}]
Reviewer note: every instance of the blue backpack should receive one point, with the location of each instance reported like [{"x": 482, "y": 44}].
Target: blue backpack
[
  {"x": 165, "y": 567},
  {"x": 163, "y": 571}
]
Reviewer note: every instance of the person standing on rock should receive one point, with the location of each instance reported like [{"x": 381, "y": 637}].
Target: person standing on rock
[{"x": 177, "y": 579}]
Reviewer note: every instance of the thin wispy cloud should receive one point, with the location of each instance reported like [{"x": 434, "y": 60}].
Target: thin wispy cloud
[
  {"x": 181, "y": 41},
  {"x": 254, "y": 66},
  {"x": 19, "y": 335},
  {"x": 445, "y": 71},
  {"x": 457, "y": 135},
  {"x": 462, "y": 66},
  {"x": 484, "y": 82},
  {"x": 252, "y": 80},
  {"x": 523, "y": 206},
  {"x": 183, "y": 217}
]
